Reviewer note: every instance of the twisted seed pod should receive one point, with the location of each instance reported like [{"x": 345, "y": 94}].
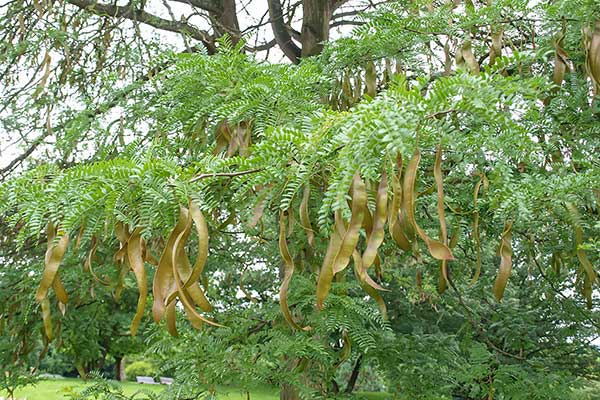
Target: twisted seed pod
[
  {"x": 341, "y": 248},
  {"x": 54, "y": 256},
  {"x": 505, "y": 253},
  {"x": 136, "y": 263},
  {"x": 288, "y": 264}
]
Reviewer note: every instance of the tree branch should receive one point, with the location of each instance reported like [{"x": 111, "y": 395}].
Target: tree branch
[
  {"x": 128, "y": 12},
  {"x": 281, "y": 33}
]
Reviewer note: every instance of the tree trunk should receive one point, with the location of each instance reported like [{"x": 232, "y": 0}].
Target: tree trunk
[
  {"x": 288, "y": 392},
  {"x": 354, "y": 375},
  {"x": 120, "y": 369},
  {"x": 315, "y": 26},
  {"x": 226, "y": 21}
]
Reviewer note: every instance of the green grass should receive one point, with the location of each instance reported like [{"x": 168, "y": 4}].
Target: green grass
[{"x": 57, "y": 389}]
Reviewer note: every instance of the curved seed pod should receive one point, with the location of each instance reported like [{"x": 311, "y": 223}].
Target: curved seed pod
[
  {"x": 258, "y": 210},
  {"x": 288, "y": 264},
  {"x": 378, "y": 232},
  {"x": 47, "y": 318},
  {"x": 163, "y": 283},
  {"x": 590, "y": 276},
  {"x": 439, "y": 181},
  {"x": 476, "y": 231},
  {"x": 171, "y": 318},
  {"x": 395, "y": 227},
  {"x": 505, "y": 252},
  {"x": 136, "y": 263},
  {"x": 468, "y": 57},
  {"x": 361, "y": 275},
  {"x": 593, "y": 53},
  {"x": 59, "y": 289},
  {"x": 371, "y": 80},
  {"x": 444, "y": 275},
  {"x": 560, "y": 61},
  {"x": 120, "y": 285},
  {"x": 350, "y": 238},
  {"x": 194, "y": 292},
  {"x": 87, "y": 266},
  {"x": 122, "y": 233},
  {"x": 437, "y": 249},
  {"x": 177, "y": 256},
  {"x": 202, "y": 232},
  {"x": 341, "y": 247},
  {"x": 54, "y": 256},
  {"x": 305, "y": 217}
]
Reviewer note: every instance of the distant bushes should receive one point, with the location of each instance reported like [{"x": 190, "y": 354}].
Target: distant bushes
[{"x": 139, "y": 368}]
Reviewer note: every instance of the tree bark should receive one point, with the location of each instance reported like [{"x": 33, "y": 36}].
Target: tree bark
[
  {"x": 354, "y": 375},
  {"x": 226, "y": 21},
  {"x": 281, "y": 33},
  {"x": 315, "y": 26},
  {"x": 288, "y": 392},
  {"x": 120, "y": 369}
]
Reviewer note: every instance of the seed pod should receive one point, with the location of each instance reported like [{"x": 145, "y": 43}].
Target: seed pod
[
  {"x": 361, "y": 275},
  {"x": 59, "y": 289},
  {"x": 163, "y": 283},
  {"x": 171, "y": 318},
  {"x": 439, "y": 181},
  {"x": 136, "y": 263},
  {"x": 590, "y": 275},
  {"x": 341, "y": 248},
  {"x": 376, "y": 237},
  {"x": 395, "y": 227},
  {"x": 592, "y": 47},
  {"x": 288, "y": 264},
  {"x": 505, "y": 253},
  {"x": 202, "y": 232},
  {"x": 437, "y": 249},
  {"x": 54, "y": 256},
  {"x": 483, "y": 181},
  {"x": 47, "y": 319},
  {"x": 179, "y": 261},
  {"x": 305, "y": 217},
  {"x": 371, "y": 80},
  {"x": 466, "y": 53}
]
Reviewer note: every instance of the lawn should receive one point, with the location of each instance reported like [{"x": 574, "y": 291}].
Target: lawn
[{"x": 55, "y": 389}]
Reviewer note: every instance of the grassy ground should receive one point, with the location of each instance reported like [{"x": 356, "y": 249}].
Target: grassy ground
[{"x": 58, "y": 389}]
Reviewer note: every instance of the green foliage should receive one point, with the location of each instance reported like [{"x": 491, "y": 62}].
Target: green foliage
[{"x": 139, "y": 368}]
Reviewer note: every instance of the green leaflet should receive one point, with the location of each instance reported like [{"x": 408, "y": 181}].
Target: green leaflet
[
  {"x": 288, "y": 264},
  {"x": 505, "y": 253},
  {"x": 54, "y": 256}
]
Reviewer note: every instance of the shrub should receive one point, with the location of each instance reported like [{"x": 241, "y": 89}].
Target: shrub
[{"x": 139, "y": 368}]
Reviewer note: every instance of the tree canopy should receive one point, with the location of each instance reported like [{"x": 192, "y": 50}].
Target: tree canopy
[{"x": 421, "y": 191}]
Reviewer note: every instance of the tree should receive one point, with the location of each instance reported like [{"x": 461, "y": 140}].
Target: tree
[{"x": 474, "y": 177}]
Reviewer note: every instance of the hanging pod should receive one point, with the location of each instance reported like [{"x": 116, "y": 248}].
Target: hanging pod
[
  {"x": 482, "y": 181},
  {"x": 439, "y": 182},
  {"x": 375, "y": 239},
  {"x": 305, "y": 217},
  {"x": 395, "y": 217},
  {"x": 592, "y": 49},
  {"x": 341, "y": 247},
  {"x": 135, "y": 259},
  {"x": 53, "y": 258},
  {"x": 437, "y": 249},
  {"x": 505, "y": 252},
  {"x": 288, "y": 264}
]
